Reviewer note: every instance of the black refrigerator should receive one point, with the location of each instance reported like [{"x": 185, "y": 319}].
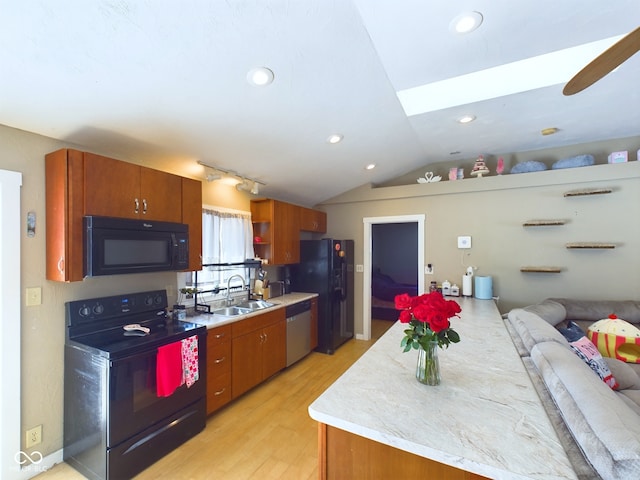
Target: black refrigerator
[{"x": 326, "y": 268}]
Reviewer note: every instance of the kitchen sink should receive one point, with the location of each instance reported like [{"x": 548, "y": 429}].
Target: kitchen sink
[
  {"x": 255, "y": 304},
  {"x": 232, "y": 311}
]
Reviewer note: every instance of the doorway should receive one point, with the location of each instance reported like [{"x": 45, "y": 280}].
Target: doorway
[
  {"x": 369, "y": 222},
  {"x": 10, "y": 183}
]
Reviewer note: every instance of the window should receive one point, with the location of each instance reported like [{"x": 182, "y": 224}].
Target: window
[{"x": 226, "y": 238}]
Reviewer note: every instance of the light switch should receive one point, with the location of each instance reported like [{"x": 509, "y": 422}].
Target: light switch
[{"x": 33, "y": 296}]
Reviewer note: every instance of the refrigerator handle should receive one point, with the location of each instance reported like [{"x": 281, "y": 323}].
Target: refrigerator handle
[{"x": 343, "y": 272}]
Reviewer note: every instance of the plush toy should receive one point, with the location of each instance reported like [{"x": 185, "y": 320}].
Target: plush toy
[{"x": 616, "y": 338}]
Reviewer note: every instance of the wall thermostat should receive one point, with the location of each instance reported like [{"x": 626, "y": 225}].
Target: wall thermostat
[{"x": 464, "y": 242}]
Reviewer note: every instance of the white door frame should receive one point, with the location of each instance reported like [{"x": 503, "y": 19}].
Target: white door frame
[
  {"x": 366, "y": 287},
  {"x": 10, "y": 337}
]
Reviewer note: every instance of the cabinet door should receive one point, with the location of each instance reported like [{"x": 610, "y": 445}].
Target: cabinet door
[
  {"x": 285, "y": 233},
  {"x": 112, "y": 187},
  {"x": 275, "y": 349},
  {"x": 246, "y": 362},
  {"x": 313, "y": 220},
  {"x": 192, "y": 216},
  {"x": 160, "y": 195}
]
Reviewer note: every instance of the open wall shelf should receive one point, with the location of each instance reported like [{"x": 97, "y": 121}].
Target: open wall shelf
[
  {"x": 543, "y": 223},
  {"x": 590, "y": 245},
  {"x": 587, "y": 191},
  {"x": 541, "y": 269}
]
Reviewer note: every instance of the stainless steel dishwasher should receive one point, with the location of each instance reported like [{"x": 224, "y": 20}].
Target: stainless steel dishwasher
[{"x": 298, "y": 331}]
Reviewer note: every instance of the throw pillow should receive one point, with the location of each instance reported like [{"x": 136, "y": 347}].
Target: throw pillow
[
  {"x": 588, "y": 352},
  {"x": 573, "y": 332},
  {"x": 616, "y": 338}
]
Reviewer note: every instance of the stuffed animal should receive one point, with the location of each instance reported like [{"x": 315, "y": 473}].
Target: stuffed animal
[{"x": 616, "y": 338}]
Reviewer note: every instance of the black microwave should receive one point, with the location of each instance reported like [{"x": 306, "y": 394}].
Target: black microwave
[{"x": 116, "y": 246}]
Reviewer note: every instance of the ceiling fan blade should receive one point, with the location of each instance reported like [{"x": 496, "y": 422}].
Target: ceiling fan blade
[{"x": 604, "y": 63}]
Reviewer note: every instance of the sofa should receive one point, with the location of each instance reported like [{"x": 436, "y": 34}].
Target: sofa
[{"x": 598, "y": 424}]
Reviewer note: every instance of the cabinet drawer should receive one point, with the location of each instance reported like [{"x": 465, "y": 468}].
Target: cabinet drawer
[
  {"x": 219, "y": 359},
  {"x": 218, "y": 335},
  {"x": 257, "y": 322},
  {"x": 218, "y": 392}
]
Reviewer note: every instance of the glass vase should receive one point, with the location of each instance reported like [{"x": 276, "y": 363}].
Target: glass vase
[{"x": 428, "y": 367}]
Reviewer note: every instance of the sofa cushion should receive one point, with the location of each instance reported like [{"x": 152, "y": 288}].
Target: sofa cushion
[
  {"x": 606, "y": 428},
  {"x": 595, "y": 310},
  {"x": 532, "y": 329},
  {"x": 551, "y": 311},
  {"x": 626, "y": 376}
]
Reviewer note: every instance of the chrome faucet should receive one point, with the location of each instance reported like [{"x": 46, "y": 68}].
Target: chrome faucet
[{"x": 229, "y": 286}]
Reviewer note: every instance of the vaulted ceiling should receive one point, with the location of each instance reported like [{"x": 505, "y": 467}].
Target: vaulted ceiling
[{"x": 167, "y": 80}]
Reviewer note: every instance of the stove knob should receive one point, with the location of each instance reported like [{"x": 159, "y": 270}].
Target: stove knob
[
  {"x": 84, "y": 311},
  {"x": 158, "y": 299},
  {"x": 98, "y": 309},
  {"x": 148, "y": 301}
]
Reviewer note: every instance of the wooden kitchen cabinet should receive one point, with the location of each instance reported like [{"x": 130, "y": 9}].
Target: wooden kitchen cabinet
[
  {"x": 81, "y": 183},
  {"x": 258, "y": 350},
  {"x": 276, "y": 227},
  {"x": 313, "y": 220},
  {"x": 218, "y": 367},
  {"x": 192, "y": 216},
  {"x": 125, "y": 190}
]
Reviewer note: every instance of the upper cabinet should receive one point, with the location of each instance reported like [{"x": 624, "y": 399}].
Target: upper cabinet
[
  {"x": 313, "y": 220},
  {"x": 124, "y": 190},
  {"x": 80, "y": 183},
  {"x": 277, "y": 226}
]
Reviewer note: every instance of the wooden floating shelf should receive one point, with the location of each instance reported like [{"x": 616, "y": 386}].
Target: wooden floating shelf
[
  {"x": 594, "y": 245},
  {"x": 541, "y": 269},
  {"x": 588, "y": 191},
  {"x": 543, "y": 223}
]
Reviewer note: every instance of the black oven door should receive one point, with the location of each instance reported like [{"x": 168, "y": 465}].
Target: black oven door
[{"x": 134, "y": 403}]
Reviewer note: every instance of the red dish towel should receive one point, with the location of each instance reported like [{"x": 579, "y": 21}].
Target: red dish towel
[
  {"x": 169, "y": 369},
  {"x": 190, "y": 360}
]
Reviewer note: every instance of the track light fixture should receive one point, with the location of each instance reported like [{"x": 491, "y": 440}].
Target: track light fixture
[{"x": 246, "y": 184}]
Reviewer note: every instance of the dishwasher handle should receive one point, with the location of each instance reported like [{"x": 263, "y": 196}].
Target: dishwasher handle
[{"x": 297, "y": 308}]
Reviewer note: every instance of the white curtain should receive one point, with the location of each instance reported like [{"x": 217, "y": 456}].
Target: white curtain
[{"x": 227, "y": 237}]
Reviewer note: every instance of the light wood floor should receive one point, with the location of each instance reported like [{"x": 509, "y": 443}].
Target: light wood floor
[{"x": 265, "y": 434}]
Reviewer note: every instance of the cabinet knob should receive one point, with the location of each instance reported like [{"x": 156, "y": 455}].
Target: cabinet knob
[
  {"x": 219, "y": 392},
  {"x": 144, "y": 206},
  {"x": 137, "y": 205},
  {"x": 219, "y": 335},
  {"x": 220, "y": 360},
  {"x": 61, "y": 265}
]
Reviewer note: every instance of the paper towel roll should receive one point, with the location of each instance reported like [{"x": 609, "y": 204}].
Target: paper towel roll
[
  {"x": 484, "y": 287},
  {"x": 467, "y": 290}
]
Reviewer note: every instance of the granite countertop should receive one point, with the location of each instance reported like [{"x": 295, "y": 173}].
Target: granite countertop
[
  {"x": 485, "y": 416},
  {"x": 215, "y": 320}
]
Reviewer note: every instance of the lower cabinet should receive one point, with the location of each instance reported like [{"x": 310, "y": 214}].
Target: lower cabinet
[
  {"x": 258, "y": 350},
  {"x": 218, "y": 367}
]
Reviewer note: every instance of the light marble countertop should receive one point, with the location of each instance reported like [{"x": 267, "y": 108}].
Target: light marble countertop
[
  {"x": 485, "y": 416},
  {"x": 211, "y": 320}
]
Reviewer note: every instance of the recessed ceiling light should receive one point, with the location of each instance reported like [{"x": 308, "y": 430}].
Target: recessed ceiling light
[
  {"x": 260, "y": 76},
  {"x": 467, "y": 119},
  {"x": 335, "y": 138},
  {"x": 371, "y": 166},
  {"x": 466, "y": 22}
]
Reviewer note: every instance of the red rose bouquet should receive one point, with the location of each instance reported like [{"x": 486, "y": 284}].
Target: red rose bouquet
[{"x": 428, "y": 316}]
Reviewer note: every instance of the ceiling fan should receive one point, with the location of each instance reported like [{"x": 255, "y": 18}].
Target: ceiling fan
[{"x": 607, "y": 61}]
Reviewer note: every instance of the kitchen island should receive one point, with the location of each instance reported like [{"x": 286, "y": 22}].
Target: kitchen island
[{"x": 484, "y": 420}]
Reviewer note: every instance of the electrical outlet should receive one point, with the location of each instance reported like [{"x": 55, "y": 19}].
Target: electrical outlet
[
  {"x": 359, "y": 268},
  {"x": 34, "y": 437},
  {"x": 33, "y": 296},
  {"x": 428, "y": 269}
]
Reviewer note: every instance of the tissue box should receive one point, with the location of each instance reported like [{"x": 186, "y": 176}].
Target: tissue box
[{"x": 617, "y": 157}]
